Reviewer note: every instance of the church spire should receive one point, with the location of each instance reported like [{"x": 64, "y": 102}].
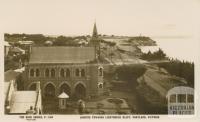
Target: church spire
[
  {"x": 95, "y": 42},
  {"x": 95, "y": 34}
]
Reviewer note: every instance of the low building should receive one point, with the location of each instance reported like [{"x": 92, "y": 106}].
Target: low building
[{"x": 24, "y": 101}]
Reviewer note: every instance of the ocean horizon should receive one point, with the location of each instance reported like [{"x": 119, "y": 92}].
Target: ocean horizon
[{"x": 181, "y": 48}]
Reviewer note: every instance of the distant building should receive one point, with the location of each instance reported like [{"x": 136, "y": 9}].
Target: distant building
[
  {"x": 73, "y": 70},
  {"x": 48, "y": 43},
  {"x": 83, "y": 42},
  {"x": 26, "y": 45},
  {"x": 16, "y": 51}
]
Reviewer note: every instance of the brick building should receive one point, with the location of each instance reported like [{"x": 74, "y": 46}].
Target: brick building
[{"x": 74, "y": 70}]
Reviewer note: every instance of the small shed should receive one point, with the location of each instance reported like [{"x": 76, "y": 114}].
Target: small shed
[{"x": 63, "y": 100}]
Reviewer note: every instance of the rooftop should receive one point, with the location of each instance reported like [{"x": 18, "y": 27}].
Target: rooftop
[
  {"x": 17, "y": 50},
  {"x": 63, "y": 95},
  {"x": 22, "y": 100},
  {"x": 20, "y": 70},
  {"x": 61, "y": 54},
  {"x": 26, "y": 42}
]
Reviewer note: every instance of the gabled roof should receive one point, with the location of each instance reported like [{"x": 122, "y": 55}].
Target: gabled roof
[{"x": 59, "y": 54}]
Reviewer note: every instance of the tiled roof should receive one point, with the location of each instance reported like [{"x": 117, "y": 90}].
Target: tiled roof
[
  {"x": 61, "y": 54},
  {"x": 22, "y": 100}
]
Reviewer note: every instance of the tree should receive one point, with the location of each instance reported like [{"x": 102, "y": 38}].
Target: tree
[
  {"x": 60, "y": 41},
  {"x": 181, "y": 69},
  {"x": 158, "y": 55},
  {"x": 130, "y": 73},
  {"x": 65, "y": 41}
]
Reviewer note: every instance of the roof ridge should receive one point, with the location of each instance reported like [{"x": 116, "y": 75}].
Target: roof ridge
[{"x": 62, "y": 54}]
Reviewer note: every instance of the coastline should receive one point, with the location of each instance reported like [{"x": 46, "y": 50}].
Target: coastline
[{"x": 184, "y": 52}]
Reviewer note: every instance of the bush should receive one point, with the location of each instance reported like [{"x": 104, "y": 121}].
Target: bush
[
  {"x": 130, "y": 73},
  {"x": 181, "y": 69},
  {"x": 158, "y": 55}
]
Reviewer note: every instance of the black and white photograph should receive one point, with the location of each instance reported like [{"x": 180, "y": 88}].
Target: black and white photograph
[{"x": 100, "y": 57}]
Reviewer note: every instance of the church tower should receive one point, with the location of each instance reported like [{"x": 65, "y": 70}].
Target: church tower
[
  {"x": 95, "y": 41},
  {"x": 95, "y": 33}
]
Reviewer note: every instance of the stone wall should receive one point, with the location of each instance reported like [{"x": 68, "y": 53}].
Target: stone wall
[{"x": 89, "y": 81}]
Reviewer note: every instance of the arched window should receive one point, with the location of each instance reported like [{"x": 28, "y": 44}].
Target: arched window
[
  {"x": 100, "y": 71},
  {"x": 67, "y": 73},
  {"x": 32, "y": 72},
  {"x": 37, "y": 72},
  {"x": 49, "y": 90},
  {"x": 53, "y": 73},
  {"x": 47, "y": 72},
  {"x": 82, "y": 73},
  {"x": 77, "y": 72},
  {"x": 62, "y": 73}
]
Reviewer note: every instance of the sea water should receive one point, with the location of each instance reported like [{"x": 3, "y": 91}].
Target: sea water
[{"x": 183, "y": 48}]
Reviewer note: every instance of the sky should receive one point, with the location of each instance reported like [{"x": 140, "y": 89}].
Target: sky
[{"x": 117, "y": 17}]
